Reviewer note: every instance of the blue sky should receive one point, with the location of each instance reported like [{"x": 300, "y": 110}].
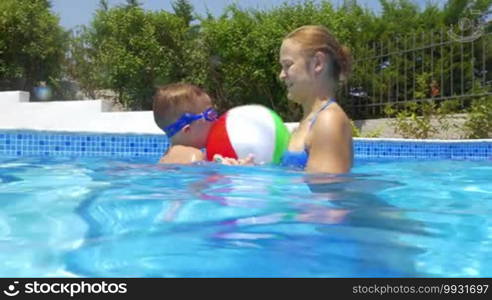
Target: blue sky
[{"x": 79, "y": 12}]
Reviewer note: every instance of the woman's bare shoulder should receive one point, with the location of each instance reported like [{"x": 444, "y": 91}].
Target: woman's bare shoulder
[{"x": 332, "y": 120}]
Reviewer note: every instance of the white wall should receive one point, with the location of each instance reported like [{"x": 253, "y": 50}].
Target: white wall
[{"x": 16, "y": 112}]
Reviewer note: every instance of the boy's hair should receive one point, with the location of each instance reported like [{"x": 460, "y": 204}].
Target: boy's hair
[{"x": 173, "y": 100}]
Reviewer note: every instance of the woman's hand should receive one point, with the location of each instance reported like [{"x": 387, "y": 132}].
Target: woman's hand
[{"x": 248, "y": 161}]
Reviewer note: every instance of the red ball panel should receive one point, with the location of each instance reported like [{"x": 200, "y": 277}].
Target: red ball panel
[{"x": 218, "y": 140}]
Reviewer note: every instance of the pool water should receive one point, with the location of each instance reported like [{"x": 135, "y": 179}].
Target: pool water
[{"x": 90, "y": 217}]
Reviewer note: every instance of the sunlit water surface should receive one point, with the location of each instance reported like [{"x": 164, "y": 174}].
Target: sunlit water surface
[{"x": 132, "y": 218}]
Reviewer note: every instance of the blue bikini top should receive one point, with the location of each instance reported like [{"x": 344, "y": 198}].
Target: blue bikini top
[{"x": 299, "y": 158}]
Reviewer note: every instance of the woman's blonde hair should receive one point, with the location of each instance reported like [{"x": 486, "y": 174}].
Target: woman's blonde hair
[{"x": 315, "y": 38}]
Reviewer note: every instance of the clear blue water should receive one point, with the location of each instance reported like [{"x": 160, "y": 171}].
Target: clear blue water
[{"x": 106, "y": 218}]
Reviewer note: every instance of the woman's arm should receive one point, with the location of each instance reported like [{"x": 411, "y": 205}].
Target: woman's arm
[{"x": 331, "y": 144}]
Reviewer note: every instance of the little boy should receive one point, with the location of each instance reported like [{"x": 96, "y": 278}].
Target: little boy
[{"x": 185, "y": 113}]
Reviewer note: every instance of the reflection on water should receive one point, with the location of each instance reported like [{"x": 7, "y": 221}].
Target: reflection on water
[{"x": 135, "y": 218}]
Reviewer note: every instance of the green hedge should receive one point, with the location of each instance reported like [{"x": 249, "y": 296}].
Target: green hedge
[
  {"x": 234, "y": 56},
  {"x": 32, "y": 44}
]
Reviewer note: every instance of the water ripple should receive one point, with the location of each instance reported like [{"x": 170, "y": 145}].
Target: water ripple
[{"x": 95, "y": 217}]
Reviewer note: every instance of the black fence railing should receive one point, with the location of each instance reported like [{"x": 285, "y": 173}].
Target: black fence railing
[{"x": 432, "y": 66}]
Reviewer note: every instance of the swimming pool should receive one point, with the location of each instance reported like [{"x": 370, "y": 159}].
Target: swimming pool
[{"x": 128, "y": 217}]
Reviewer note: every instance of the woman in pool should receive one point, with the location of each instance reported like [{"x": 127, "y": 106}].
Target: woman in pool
[{"x": 313, "y": 65}]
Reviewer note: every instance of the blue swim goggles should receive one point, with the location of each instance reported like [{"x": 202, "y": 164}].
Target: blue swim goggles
[{"x": 209, "y": 114}]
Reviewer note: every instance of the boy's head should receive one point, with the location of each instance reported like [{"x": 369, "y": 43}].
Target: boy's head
[{"x": 171, "y": 102}]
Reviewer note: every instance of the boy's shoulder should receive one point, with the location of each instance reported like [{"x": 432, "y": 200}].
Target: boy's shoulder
[{"x": 182, "y": 155}]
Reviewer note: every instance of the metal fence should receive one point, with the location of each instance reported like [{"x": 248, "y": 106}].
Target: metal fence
[{"x": 431, "y": 66}]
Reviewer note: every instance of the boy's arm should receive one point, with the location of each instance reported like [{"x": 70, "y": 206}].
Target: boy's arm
[{"x": 182, "y": 155}]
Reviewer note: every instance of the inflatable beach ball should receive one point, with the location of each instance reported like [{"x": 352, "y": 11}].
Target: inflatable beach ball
[{"x": 247, "y": 129}]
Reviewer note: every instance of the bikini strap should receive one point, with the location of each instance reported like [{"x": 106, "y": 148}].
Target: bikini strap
[{"x": 330, "y": 101}]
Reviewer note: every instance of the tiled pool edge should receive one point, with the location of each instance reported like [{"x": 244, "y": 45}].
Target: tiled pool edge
[
  {"x": 84, "y": 144},
  {"x": 50, "y": 143},
  {"x": 423, "y": 149}
]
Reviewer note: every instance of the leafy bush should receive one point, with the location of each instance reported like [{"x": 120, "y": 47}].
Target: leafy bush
[
  {"x": 356, "y": 132},
  {"x": 129, "y": 50},
  {"x": 414, "y": 119},
  {"x": 32, "y": 44},
  {"x": 243, "y": 47},
  {"x": 479, "y": 119}
]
